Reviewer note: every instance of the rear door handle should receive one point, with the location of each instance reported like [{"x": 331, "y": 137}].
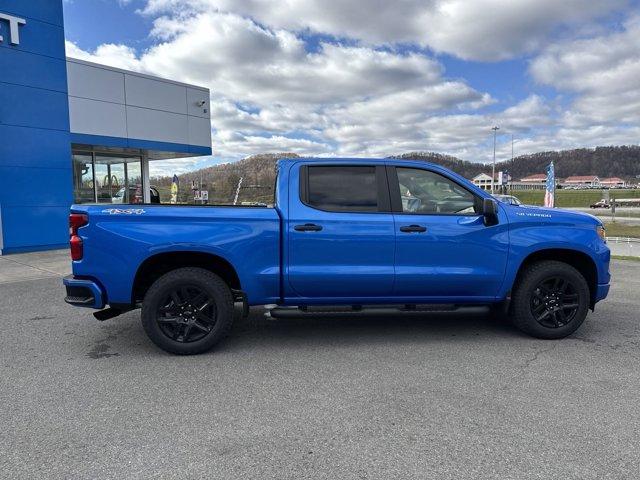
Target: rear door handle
[
  {"x": 413, "y": 229},
  {"x": 308, "y": 227}
]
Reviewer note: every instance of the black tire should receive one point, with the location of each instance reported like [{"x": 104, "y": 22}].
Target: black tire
[
  {"x": 550, "y": 300},
  {"x": 176, "y": 307}
]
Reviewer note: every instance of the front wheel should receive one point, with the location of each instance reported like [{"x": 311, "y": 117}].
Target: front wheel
[
  {"x": 187, "y": 311},
  {"x": 550, "y": 301}
]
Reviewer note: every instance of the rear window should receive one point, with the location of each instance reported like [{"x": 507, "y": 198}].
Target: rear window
[{"x": 342, "y": 188}]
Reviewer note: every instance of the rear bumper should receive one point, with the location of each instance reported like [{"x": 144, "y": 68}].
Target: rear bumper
[
  {"x": 602, "y": 291},
  {"x": 83, "y": 293}
]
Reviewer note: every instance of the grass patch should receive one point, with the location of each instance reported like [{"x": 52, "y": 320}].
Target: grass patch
[
  {"x": 622, "y": 230},
  {"x": 625, "y": 257},
  {"x": 573, "y": 198}
]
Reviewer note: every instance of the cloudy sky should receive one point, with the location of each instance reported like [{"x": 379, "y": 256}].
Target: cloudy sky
[{"x": 380, "y": 77}]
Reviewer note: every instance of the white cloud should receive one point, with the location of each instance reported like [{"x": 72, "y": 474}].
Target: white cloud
[
  {"x": 362, "y": 93},
  {"x": 591, "y": 64},
  {"x": 268, "y": 90},
  {"x": 461, "y": 134},
  {"x": 160, "y": 168},
  {"x": 478, "y": 29},
  {"x": 234, "y": 55},
  {"x": 496, "y": 30},
  {"x": 602, "y": 71},
  {"x": 120, "y": 56},
  {"x": 248, "y": 145}
]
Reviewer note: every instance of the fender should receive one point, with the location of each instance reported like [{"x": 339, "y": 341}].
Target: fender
[{"x": 527, "y": 240}]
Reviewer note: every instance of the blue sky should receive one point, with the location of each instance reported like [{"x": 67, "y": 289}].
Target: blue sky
[
  {"x": 328, "y": 77},
  {"x": 90, "y": 23}
]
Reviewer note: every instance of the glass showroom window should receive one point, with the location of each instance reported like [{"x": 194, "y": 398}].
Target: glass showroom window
[
  {"x": 106, "y": 178},
  {"x": 83, "y": 186}
]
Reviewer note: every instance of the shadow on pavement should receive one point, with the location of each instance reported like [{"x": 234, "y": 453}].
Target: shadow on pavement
[
  {"x": 125, "y": 333},
  {"x": 364, "y": 330}
]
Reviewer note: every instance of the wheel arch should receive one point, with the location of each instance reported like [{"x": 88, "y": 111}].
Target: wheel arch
[
  {"x": 576, "y": 258},
  {"x": 157, "y": 265}
]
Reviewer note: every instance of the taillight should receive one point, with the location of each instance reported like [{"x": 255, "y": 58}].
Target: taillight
[{"x": 76, "y": 220}]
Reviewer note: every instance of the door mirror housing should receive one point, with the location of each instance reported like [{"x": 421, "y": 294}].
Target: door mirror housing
[{"x": 490, "y": 211}]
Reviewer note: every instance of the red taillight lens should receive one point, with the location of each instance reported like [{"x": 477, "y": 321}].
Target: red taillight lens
[
  {"x": 76, "y": 220},
  {"x": 75, "y": 243}
]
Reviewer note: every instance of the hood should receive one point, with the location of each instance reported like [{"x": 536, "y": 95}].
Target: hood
[{"x": 553, "y": 215}]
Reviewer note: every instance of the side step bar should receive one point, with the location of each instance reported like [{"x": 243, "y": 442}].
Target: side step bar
[{"x": 371, "y": 310}]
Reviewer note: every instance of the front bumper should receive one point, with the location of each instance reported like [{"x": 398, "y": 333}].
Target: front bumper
[
  {"x": 602, "y": 291},
  {"x": 83, "y": 293}
]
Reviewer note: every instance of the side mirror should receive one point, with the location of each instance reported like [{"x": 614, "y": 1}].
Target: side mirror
[{"x": 490, "y": 211}]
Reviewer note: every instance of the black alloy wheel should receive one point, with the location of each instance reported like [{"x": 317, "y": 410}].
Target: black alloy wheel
[
  {"x": 186, "y": 314},
  {"x": 550, "y": 299},
  {"x": 554, "y": 302},
  {"x": 187, "y": 311}
]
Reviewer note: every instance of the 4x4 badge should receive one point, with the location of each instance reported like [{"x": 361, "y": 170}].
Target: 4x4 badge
[{"x": 123, "y": 211}]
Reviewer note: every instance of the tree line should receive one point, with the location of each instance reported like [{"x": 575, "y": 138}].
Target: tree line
[{"x": 258, "y": 172}]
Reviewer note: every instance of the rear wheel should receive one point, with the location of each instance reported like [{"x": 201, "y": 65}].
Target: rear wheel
[
  {"x": 187, "y": 311},
  {"x": 550, "y": 301}
]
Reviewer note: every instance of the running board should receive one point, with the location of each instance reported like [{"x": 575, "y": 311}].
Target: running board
[
  {"x": 109, "y": 313},
  {"x": 371, "y": 310}
]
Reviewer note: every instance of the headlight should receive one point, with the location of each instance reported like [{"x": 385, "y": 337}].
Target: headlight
[{"x": 601, "y": 232}]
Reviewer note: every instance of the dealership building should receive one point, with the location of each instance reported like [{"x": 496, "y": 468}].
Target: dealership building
[{"x": 74, "y": 131}]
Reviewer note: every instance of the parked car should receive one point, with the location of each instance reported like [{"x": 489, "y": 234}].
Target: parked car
[
  {"x": 135, "y": 195},
  {"x": 601, "y": 204},
  {"x": 508, "y": 199},
  {"x": 344, "y": 234}
]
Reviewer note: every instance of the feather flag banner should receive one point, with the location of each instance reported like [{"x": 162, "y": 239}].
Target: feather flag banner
[
  {"x": 550, "y": 187},
  {"x": 174, "y": 189}
]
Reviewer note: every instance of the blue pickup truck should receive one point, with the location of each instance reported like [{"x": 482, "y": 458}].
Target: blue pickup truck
[{"x": 342, "y": 235}]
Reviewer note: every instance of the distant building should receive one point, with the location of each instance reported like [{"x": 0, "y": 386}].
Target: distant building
[
  {"x": 613, "y": 182},
  {"x": 484, "y": 181},
  {"x": 537, "y": 178},
  {"x": 532, "y": 182},
  {"x": 582, "y": 180}
]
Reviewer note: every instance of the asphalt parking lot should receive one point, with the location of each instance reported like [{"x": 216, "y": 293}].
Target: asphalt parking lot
[{"x": 435, "y": 397}]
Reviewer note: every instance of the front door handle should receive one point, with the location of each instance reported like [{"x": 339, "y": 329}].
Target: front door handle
[
  {"x": 413, "y": 229},
  {"x": 308, "y": 227}
]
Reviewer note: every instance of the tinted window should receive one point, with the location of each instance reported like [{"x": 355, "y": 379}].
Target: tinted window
[
  {"x": 342, "y": 189},
  {"x": 427, "y": 192}
]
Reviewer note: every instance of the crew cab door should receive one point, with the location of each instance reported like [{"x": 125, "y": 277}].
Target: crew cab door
[
  {"x": 340, "y": 232},
  {"x": 443, "y": 248}
]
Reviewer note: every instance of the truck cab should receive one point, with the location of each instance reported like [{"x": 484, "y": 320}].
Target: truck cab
[{"x": 358, "y": 233}]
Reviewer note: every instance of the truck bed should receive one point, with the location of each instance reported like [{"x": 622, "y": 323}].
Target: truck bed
[{"x": 118, "y": 239}]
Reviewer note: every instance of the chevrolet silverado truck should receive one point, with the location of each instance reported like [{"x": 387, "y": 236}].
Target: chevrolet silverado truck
[{"x": 343, "y": 235}]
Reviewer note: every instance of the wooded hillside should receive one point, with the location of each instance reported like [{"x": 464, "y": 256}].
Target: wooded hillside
[
  {"x": 258, "y": 171},
  {"x": 622, "y": 161}
]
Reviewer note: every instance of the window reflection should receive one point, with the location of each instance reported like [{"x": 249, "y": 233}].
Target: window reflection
[{"x": 105, "y": 178}]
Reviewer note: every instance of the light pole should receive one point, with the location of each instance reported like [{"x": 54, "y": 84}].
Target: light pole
[{"x": 493, "y": 172}]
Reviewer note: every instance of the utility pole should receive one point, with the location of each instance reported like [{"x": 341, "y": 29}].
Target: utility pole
[
  {"x": 512, "y": 148},
  {"x": 493, "y": 172},
  {"x": 509, "y": 182}
]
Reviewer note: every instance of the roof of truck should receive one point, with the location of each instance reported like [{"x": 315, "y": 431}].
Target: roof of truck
[{"x": 358, "y": 160}]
